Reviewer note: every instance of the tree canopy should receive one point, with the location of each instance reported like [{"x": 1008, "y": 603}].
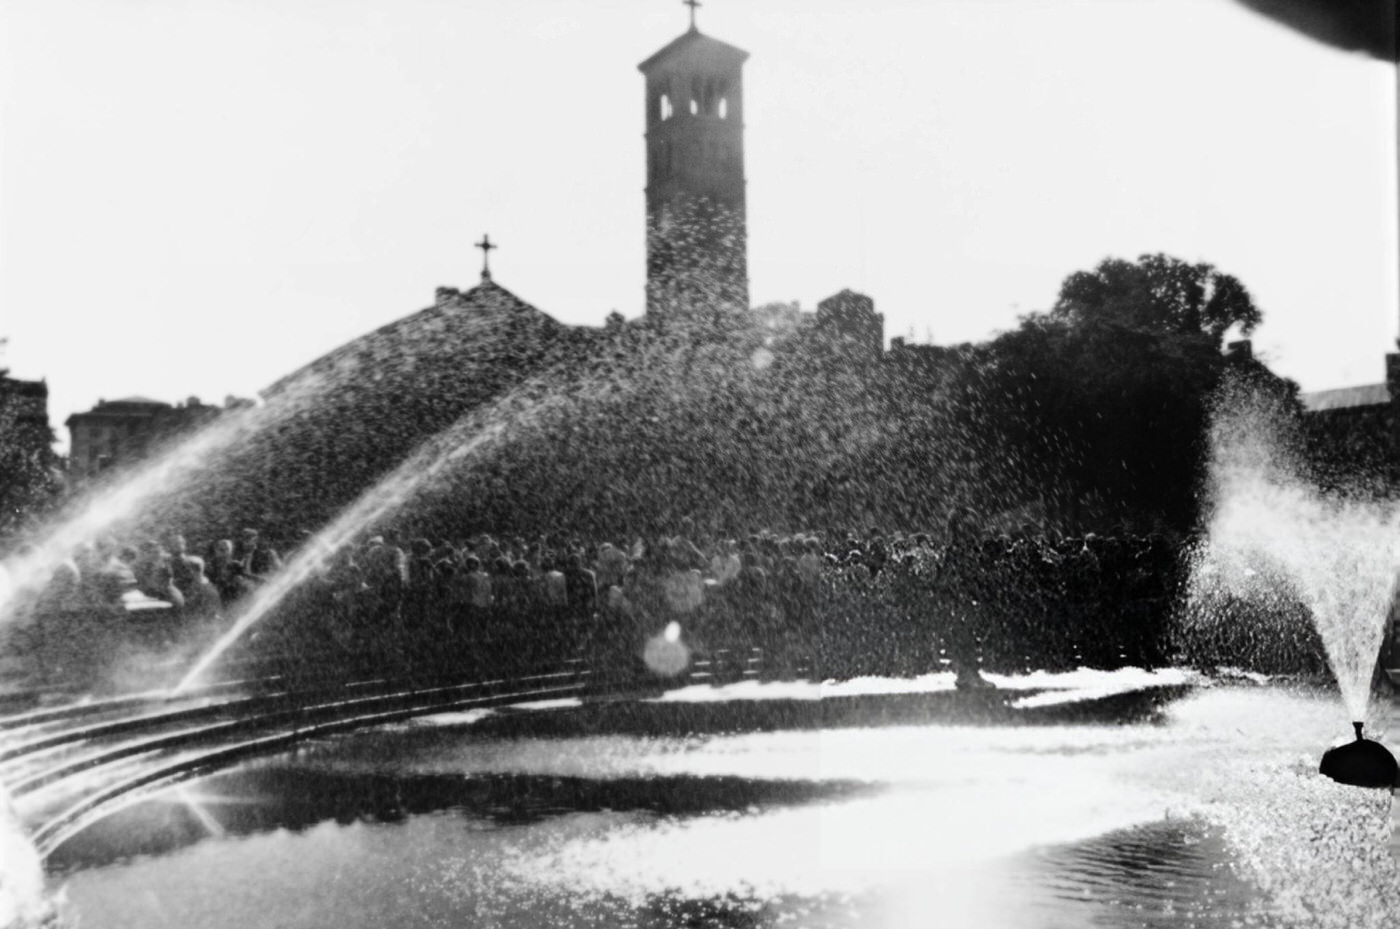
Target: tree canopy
[
  {"x": 29, "y": 479},
  {"x": 1103, "y": 400},
  {"x": 1158, "y": 293}
]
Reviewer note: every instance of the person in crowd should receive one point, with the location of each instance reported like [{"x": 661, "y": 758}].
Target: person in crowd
[
  {"x": 724, "y": 566},
  {"x": 478, "y": 583},
  {"x": 556, "y": 586},
  {"x": 386, "y": 574},
  {"x": 508, "y": 594},
  {"x": 959, "y": 580},
  {"x": 580, "y": 588},
  {"x": 876, "y": 553},
  {"x": 809, "y": 563},
  {"x": 422, "y": 586},
  {"x": 263, "y": 561},
  {"x": 683, "y": 551},
  {"x": 243, "y": 548},
  {"x": 749, "y": 595},
  {"x": 612, "y": 565},
  {"x": 88, "y": 558},
  {"x": 181, "y": 567},
  {"x": 225, "y": 572},
  {"x": 63, "y": 592},
  {"x": 154, "y": 576},
  {"x": 202, "y": 599},
  {"x": 118, "y": 574}
]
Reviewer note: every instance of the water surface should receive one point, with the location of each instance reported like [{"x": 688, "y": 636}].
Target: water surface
[{"x": 885, "y": 803}]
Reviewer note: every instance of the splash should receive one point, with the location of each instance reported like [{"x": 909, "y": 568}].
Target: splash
[
  {"x": 23, "y": 901},
  {"x": 1272, "y": 535}
]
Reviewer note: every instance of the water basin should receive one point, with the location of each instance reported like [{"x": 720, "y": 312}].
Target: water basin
[{"x": 758, "y": 805}]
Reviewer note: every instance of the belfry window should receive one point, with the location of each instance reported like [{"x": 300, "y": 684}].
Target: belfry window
[
  {"x": 666, "y": 109},
  {"x": 723, "y": 107},
  {"x": 694, "y": 107}
]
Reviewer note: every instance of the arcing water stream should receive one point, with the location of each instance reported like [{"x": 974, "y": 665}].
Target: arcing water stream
[
  {"x": 532, "y": 404},
  {"x": 541, "y": 403},
  {"x": 110, "y": 507}
]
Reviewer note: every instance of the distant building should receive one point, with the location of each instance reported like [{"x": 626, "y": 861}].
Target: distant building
[
  {"x": 848, "y": 321},
  {"x": 120, "y": 432},
  {"x": 1347, "y": 402},
  {"x": 1356, "y": 430}
]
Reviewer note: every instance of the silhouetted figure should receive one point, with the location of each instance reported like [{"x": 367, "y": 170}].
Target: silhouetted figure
[
  {"x": 225, "y": 572},
  {"x": 958, "y": 577},
  {"x": 154, "y": 575},
  {"x": 580, "y": 589},
  {"x": 202, "y": 600}
]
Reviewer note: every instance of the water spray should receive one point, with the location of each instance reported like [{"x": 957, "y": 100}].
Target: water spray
[{"x": 1272, "y": 533}]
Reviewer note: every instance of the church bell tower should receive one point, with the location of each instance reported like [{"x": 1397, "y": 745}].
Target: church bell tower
[{"x": 697, "y": 243}]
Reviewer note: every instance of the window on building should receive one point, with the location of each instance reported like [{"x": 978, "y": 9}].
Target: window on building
[
  {"x": 694, "y": 107},
  {"x": 666, "y": 110},
  {"x": 723, "y": 107}
]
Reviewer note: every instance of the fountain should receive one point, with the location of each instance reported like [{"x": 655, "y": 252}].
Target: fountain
[
  {"x": 661, "y": 810},
  {"x": 655, "y": 788},
  {"x": 1272, "y": 534}
]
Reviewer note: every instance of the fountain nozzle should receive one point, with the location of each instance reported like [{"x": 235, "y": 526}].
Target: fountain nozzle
[{"x": 1361, "y": 762}]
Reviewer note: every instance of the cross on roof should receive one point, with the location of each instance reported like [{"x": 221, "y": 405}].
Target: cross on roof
[
  {"x": 692, "y": 4},
  {"x": 486, "y": 245}
]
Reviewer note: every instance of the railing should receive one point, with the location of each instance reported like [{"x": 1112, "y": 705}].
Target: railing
[{"x": 66, "y": 766}]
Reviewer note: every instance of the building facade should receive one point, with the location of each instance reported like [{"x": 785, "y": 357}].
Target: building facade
[
  {"x": 1354, "y": 432},
  {"x": 116, "y": 433}
]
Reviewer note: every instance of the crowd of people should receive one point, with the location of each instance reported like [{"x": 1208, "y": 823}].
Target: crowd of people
[
  {"x": 841, "y": 602},
  {"x": 110, "y": 577}
]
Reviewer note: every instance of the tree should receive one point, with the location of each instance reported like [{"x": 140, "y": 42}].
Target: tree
[
  {"x": 29, "y": 479},
  {"x": 1102, "y": 401},
  {"x": 1158, "y": 293}
]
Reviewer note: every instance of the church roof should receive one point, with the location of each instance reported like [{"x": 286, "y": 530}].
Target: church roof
[
  {"x": 1343, "y": 398},
  {"x": 141, "y": 401},
  {"x": 692, "y": 38},
  {"x": 437, "y": 329}
]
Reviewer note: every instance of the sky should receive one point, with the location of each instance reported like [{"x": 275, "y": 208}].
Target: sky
[{"x": 197, "y": 197}]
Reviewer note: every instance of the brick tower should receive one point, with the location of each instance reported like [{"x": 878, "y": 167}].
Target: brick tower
[{"x": 697, "y": 264}]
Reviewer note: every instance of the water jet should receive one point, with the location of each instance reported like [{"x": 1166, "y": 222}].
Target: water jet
[{"x": 1276, "y": 539}]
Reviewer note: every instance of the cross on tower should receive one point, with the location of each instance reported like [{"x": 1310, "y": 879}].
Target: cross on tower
[
  {"x": 486, "y": 245},
  {"x": 692, "y": 4}
]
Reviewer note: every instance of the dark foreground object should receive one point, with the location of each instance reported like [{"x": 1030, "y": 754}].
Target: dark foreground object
[{"x": 1360, "y": 763}]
